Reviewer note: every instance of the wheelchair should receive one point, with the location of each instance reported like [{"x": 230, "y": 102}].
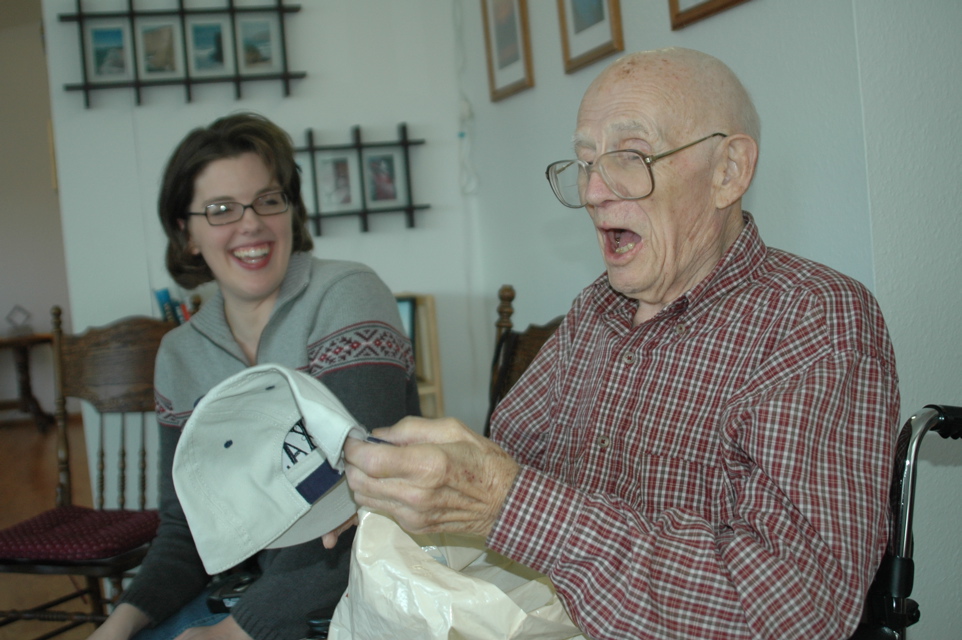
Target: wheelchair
[{"x": 888, "y": 608}]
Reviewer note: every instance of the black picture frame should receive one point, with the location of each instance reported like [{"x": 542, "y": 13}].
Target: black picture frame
[
  {"x": 359, "y": 178},
  {"x": 141, "y": 48}
]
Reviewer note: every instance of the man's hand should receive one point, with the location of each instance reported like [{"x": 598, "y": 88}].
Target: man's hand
[
  {"x": 441, "y": 477},
  {"x": 226, "y": 629}
]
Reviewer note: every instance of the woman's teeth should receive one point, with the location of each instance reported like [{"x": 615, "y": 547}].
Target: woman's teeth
[{"x": 250, "y": 254}]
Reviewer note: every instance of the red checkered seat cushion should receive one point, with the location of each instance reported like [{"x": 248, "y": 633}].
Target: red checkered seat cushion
[{"x": 78, "y": 533}]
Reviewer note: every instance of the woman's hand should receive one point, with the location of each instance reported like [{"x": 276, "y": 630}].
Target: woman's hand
[
  {"x": 330, "y": 539},
  {"x": 123, "y": 623},
  {"x": 226, "y": 629}
]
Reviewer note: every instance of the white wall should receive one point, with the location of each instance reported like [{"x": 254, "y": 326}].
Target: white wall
[
  {"x": 912, "y": 86},
  {"x": 859, "y": 122}
]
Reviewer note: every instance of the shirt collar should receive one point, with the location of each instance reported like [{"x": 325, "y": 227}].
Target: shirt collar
[{"x": 736, "y": 264}]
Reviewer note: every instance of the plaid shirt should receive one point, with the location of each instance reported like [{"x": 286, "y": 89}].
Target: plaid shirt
[{"x": 720, "y": 471}]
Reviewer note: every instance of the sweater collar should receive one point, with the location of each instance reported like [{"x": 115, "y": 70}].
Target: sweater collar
[{"x": 211, "y": 320}]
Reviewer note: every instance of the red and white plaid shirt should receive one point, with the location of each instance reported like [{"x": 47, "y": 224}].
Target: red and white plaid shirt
[{"x": 720, "y": 471}]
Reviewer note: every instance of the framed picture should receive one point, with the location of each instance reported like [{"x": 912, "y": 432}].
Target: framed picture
[
  {"x": 384, "y": 179},
  {"x": 507, "y": 45},
  {"x": 407, "y": 307},
  {"x": 258, "y": 44},
  {"x": 109, "y": 51},
  {"x": 338, "y": 181},
  {"x": 159, "y": 49},
  {"x": 684, "y": 12},
  {"x": 303, "y": 159},
  {"x": 590, "y": 31},
  {"x": 210, "y": 46}
]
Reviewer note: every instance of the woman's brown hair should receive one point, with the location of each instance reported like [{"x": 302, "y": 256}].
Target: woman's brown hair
[{"x": 227, "y": 137}]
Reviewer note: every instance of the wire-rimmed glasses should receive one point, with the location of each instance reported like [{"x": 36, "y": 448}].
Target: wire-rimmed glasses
[
  {"x": 627, "y": 172},
  {"x": 226, "y": 212}
]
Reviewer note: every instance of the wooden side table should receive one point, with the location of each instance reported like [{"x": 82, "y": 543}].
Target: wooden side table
[{"x": 27, "y": 402}]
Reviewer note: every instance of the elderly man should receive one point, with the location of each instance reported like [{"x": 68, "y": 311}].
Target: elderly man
[{"x": 702, "y": 450}]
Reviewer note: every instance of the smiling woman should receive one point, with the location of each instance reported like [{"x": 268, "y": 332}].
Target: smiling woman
[{"x": 232, "y": 210}]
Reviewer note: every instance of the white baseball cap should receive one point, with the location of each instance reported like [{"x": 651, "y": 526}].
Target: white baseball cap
[{"x": 259, "y": 465}]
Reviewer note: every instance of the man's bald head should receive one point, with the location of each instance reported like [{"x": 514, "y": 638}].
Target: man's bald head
[{"x": 703, "y": 92}]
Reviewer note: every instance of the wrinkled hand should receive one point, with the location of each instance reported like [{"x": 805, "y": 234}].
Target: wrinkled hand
[
  {"x": 441, "y": 477},
  {"x": 226, "y": 629}
]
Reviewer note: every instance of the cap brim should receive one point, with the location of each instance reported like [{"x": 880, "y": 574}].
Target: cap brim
[{"x": 327, "y": 514}]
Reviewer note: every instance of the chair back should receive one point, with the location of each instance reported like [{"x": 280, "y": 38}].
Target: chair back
[
  {"x": 514, "y": 351},
  {"x": 112, "y": 368}
]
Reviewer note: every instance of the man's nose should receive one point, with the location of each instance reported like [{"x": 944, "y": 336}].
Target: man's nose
[{"x": 596, "y": 189}]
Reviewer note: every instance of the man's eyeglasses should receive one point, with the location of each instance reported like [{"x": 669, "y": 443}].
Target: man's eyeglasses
[
  {"x": 267, "y": 204},
  {"x": 627, "y": 173}
]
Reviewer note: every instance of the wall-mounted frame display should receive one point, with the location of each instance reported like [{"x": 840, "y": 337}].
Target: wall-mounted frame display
[
  {"x": 160, "y": 49},
  {"x": 210, "y": 46},
  {"x": 359, "y": 178},
  {"x": 590, "y": 30},
  {"x": 507, "y": 45},
  {"x": 109, "y": 47},
  {"x": 258, "y": 44},
  {"x": 685, "y": 12},
  {"x": 384, "y": 178},
  {"x": 338, "y": 181},
  {"x": 187, "y": 45}
]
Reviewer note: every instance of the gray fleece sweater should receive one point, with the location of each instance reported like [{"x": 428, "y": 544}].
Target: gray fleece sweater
[{"x": 336, "y": 321}]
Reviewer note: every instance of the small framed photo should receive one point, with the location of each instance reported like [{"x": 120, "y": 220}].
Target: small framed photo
[
  {"x": 685, "y": 12},
  {"x": 384, "y": 175},
  {"x": 590, "y": 30},
  {"x": 108, "y": 48},
  {"x": 210, "y": 46},
  {"x": 159, "y": 49},
  {"x": 407, "y": 307},
  {"x": 507, "y": 45},
  {"x": 338, "y": 181},
  {"x": 259, "y": 44}
]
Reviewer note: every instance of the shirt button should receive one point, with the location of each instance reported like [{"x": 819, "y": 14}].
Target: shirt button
[
  {"x": 628, "y": 358},
  {"x": 680, "y": 329},
  {"x": 604, "y": 442}
]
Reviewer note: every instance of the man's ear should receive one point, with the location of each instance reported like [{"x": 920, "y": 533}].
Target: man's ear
[{"x": 735, "y": 169}]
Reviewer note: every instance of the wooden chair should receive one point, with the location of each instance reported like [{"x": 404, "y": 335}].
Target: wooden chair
[
  {"x": 513, "y": 350},
  {"x": 112, "y": 368}
]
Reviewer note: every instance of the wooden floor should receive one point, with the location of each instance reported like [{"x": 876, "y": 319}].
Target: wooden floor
[{"x": 28, "y": 469}]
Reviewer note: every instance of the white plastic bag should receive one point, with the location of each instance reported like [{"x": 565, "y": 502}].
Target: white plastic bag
[{"x": 442, "y": 586}]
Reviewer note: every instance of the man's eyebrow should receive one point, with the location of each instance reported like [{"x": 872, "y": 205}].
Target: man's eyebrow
[
  {"x": 630, "y": 126},
  {"x": 581, "y": 141},
  {"x": 635, "y": 127}
]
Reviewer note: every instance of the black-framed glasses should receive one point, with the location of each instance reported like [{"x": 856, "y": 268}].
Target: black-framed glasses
[
  {"x": 627, "y": 172},
  {"x": 266, "y": 204}
]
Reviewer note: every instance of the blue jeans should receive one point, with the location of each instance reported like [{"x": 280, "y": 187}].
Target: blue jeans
[{"x": 193, "y": 614}]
